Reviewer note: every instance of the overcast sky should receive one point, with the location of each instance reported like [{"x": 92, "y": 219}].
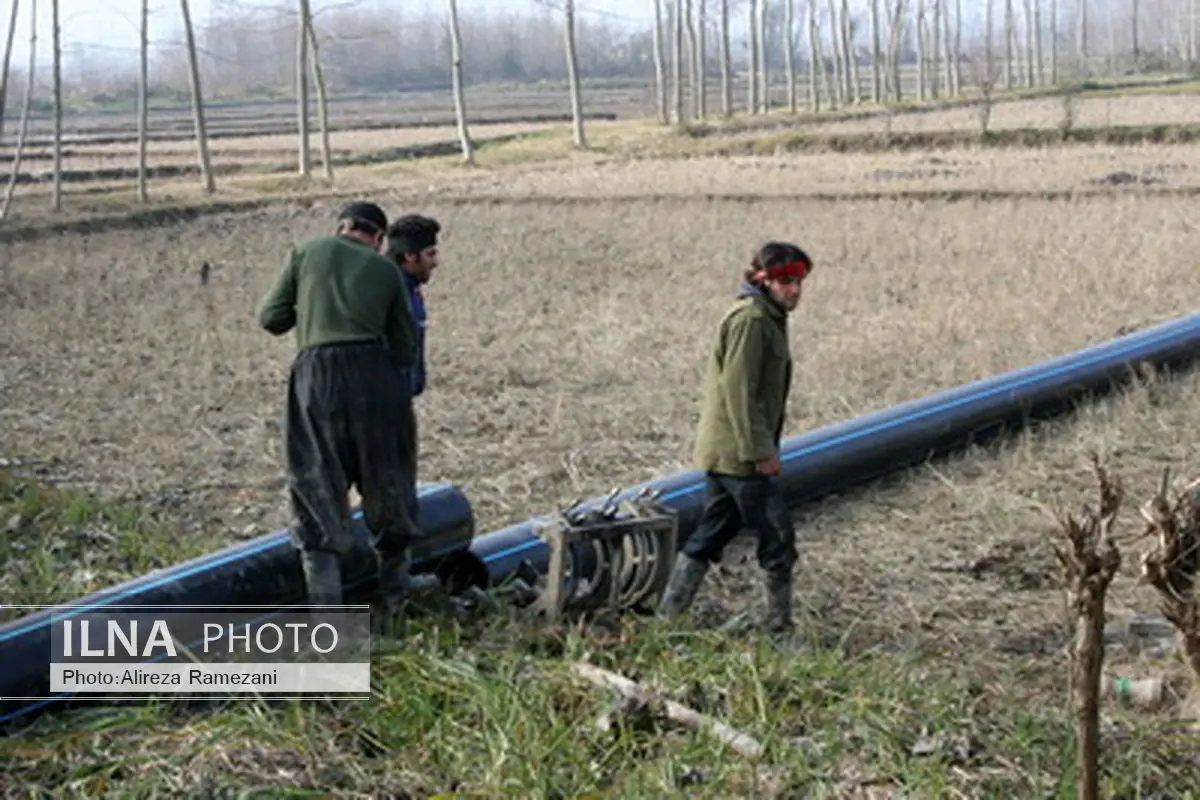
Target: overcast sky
[{"x": 112, "y": 25}]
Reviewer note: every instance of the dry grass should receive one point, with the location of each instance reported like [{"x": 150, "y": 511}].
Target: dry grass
[
  {"x": 1046, "y": 112},
  {"x": 566, "y": 342},
  {"x": 965, "y": 170},
  {"x": 964, "y": 545},
  {"x": 268, "y": 150},
  {"x": 250, "y": 118}
]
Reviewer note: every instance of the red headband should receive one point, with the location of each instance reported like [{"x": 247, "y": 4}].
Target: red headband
[{"x": 793, "y": 269}]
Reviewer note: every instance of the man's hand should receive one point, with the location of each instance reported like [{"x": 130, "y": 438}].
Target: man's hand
[{"x": 768, "y": 466}]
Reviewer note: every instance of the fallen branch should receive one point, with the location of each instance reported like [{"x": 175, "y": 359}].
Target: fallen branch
[
  {"x": 1171, "y": 565},
  {"x": 1089, "y": 564},
  {"x": 680, "y": 714}
]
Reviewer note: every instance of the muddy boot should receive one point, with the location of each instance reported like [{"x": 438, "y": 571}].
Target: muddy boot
[
  {"x": 397, "y": 583},
  {"x": 686, "y": 576},
  {"x": 779, "y": 603},
  {"x": 322, "y": 577}
]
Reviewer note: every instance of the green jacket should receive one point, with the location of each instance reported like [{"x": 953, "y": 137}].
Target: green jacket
[
  {"x": 334, "y": 289},
  {"x": 746, "y": 389}
]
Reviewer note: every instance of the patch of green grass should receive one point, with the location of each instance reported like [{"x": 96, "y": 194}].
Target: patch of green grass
[
  {"x": 491, "y": 708},
  {"x": 56, "y": 545}
]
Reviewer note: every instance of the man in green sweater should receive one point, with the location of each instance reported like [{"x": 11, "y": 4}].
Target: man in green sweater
[
  {"x": 349, "y": 418},
  {"x": 738, "y": 436}
]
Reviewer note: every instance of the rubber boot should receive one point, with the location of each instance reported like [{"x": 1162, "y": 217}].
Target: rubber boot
[
  {"x": 779, "y": 603},
  {"x": 322, "y": 577},
  {"x": 687, "y": 574},
  {"x": 397, "y": 582}
]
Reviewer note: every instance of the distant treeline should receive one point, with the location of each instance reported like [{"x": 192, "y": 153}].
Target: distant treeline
[{"x": 382, "y": 47}]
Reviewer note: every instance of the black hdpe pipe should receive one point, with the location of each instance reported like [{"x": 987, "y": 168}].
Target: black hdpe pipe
[
  {"x": 815, "y": 464},
  {"x": 846, "y": 454},
  {"x": 262, "y": 571}
]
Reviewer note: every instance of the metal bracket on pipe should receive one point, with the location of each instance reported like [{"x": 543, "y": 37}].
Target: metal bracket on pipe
[{"x": 616, "y": 557}]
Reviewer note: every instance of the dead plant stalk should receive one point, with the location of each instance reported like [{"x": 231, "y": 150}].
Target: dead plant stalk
[
  {"x": 1089, "y": 564},
  {"x": 1171, "y": 564}
]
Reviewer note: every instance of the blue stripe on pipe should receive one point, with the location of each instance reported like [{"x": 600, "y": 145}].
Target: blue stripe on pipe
[
  {"x": 903, "y": 420},
  {"x": 164, "y": 579}
]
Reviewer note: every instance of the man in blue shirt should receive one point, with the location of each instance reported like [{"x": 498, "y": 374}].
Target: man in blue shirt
[{"x": 412, "y": 244}]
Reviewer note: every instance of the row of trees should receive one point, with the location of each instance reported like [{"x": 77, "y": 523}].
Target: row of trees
[
  {"x": 381, "y": 45},
  {"x": 837, "y": 47},
  {"x": 832, "y": 52}
]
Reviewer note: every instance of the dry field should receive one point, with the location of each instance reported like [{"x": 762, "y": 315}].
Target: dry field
[
  {"x": 566, "y": 341},
  {"x": 264, "y": 151},
  {"x": 272, "y": 117},
  {"x": 1077, "y": 168},
  {"x": 532, "y": 171},
  {"x": 568, "y": 328},
  {"x": 1089, "y": 112}
]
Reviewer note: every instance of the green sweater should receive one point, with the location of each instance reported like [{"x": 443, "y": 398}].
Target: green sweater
[
  {"x": 333, "y": 289},
  {"x": 746, "y": 389}
]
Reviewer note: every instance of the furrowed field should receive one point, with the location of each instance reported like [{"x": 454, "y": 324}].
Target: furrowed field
[{"x": 568, "y": 327}]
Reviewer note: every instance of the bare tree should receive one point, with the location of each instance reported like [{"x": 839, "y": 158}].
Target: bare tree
[
  {"x": 25, "y": 112},
  {"x": 456, "y": 77},
  {"x": 948, "y": 51},
  {"x": 895, "y": 39},
  {"x": 1037, "y": 31},
  {"x": 752, "y": 104},
  {"x": 1010, "y": 30},
  {"x": 677, "y": 59},
  {"x": 1054, "y": 42},
  {"x": 958, "y": 46},
  {"x": 56, "y": 46},
  {"x": 305, "y": 152},
  {"x": 815, "y": 58},
  {"x": 573, "y": 73},
  {"x": 789, "y": 53},
  {"x": 322, "y": 100},
  {"x": 876, "y": 66},
  {"x": 689, "y": 22},
  {"x": 1192, "y": 54},
  {"x": 8, "y": 48},
  {"x": 1133, "y": 32},
  {"x": 143, "y": 192},
  {"x": 726, "y": 65},
  {"x": 701, "y": 60},
  {"x": 764, "y": 81},
  {"x": 851, "y": 69},
  {"x": 922, "y": 55},
  {"x": 1081, "y": 36},
  {"x": 1110, "y": 57},
  {"x": 1030, "y": 36},
  {"x": 206, "y": 173},
  {"x": 935, "y": 52},
  {"x": 660, "y": 66},
  {"x": 989, "y": 52},
  {"x": 835, "y": 53}
]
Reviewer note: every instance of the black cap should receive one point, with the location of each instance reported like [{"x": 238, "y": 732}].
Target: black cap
[{"x": 367, "y": 215}]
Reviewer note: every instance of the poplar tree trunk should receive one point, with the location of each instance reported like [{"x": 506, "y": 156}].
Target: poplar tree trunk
[{"x": 460, "y": 103}]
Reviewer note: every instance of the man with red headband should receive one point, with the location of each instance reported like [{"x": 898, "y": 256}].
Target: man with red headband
[{"x": 738, "y": 436}]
